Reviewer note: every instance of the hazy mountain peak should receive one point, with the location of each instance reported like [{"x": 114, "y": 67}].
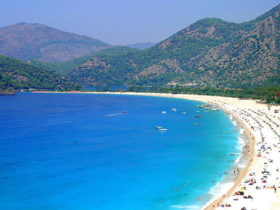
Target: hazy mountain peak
[
  {"x": 21, "y": 23},
  {"x": 26, "y": 41},
  {"x": 141, "y": 45}
]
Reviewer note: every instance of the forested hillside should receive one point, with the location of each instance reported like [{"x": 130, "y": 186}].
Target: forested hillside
[
  {"x": 210, "y": 52},
  {"x": 16, "y": 75}
]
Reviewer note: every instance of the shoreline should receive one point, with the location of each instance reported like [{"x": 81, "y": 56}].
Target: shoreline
[
  {"x": 249, "y": 155},
  {"x": 261, "y": 124}
]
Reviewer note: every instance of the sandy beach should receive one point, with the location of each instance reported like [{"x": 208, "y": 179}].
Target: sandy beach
[{"x": 257, "y": 184}]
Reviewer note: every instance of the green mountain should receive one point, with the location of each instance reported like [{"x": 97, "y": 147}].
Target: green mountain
[
  {"x": 210, "y": 52},
  {"x": 16, "y": 75},
  {"x": 26, "y": 41},
  {"x": 108, "y": 67},
  {"x": 61, "y": 67}
]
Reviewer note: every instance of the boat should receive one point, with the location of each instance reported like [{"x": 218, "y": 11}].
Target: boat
[
  {"x": 183, "y": 112},
  {"x": 197, "y": 116},
  {"x": 161, "y": 128},
  {"x": 215, "y": 109},
  {"x": 163, "y": 112},
  {"x": 205, "y": 106},
  {"x": 174, "y": 109},
  {"x": 195, "y": 124}
]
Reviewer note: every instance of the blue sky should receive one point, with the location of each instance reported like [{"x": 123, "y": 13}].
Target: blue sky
[{"x": 128, "y": 21}]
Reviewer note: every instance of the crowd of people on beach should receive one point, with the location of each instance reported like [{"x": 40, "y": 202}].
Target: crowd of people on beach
[{"x": 260, "y": 186}]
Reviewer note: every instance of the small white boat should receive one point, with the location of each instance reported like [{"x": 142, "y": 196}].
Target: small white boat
[
  {"x": 174, "y": 109},
  {"x": 215, "y": 109},
  {"x": 163, "y": 112},
  {"x": 183, "y": 112},
  {"x": 161, "y": 128}
]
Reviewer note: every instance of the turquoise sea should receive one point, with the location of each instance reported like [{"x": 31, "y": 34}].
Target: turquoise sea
[{"x": 86, "y": 151}]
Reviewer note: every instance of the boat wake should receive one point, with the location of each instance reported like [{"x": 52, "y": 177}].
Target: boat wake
[{"x": 115, "y": 114}]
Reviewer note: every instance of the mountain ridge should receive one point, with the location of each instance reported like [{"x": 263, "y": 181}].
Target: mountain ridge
[{"x": 210, "y": 52}]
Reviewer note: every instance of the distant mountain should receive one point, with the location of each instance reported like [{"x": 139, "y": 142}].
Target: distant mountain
[
  {"x": 210, "y": 52},
  {"x": 26, "y": 41},
  {"x": 16, "y": 75},
  {"x": 141, "y": 46}
]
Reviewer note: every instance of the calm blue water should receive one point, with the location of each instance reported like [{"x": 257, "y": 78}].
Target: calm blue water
[{"x": 79, "y": 151}]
